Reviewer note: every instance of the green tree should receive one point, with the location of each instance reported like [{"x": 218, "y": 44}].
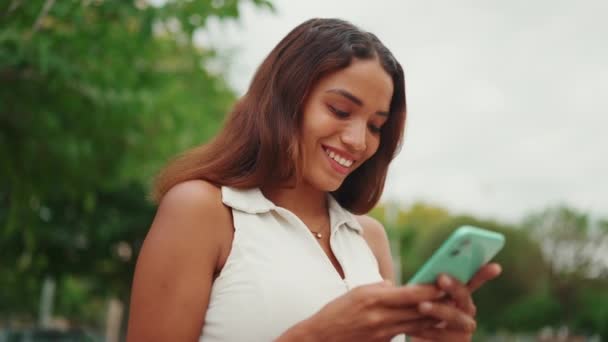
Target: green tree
[
  {"x": 571, "y": 241},
  {"x": 573, "y": 244},
  {"x": 94, "y": 96}
]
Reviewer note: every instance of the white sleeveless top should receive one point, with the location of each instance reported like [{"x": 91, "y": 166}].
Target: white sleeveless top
[{"x": 277, "y": 274}]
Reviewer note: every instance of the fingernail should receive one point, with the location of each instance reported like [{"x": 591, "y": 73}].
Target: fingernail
[
  {"x": 426, "y": 306},
  {"x": 445, "y": 281}
]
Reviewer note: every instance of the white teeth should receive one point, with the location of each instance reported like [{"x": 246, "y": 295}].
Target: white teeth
[{"x": 340, "y": 160}]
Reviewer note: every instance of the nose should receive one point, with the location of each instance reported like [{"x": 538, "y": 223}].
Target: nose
[{"x": 354, "y": 136}]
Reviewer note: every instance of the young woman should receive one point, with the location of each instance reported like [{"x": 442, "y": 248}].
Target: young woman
[{"x": 261, "y": 235}]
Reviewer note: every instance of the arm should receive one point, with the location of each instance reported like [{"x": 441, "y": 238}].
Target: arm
[
  {"x": 375, "y": 235},
  {"x": 175, "y": 267}
]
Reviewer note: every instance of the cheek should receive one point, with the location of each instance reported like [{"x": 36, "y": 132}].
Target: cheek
[
  {"x": 372, "y": 146},
  {"x": 311, "y": 132},
  {"x": 318, "y": 125}
]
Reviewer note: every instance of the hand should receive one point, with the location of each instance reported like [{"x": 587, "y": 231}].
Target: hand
[
  {"x": 456, "y": 313},
  {"x": 374, "y": 312},
  {"x": 486, "y": 273}
]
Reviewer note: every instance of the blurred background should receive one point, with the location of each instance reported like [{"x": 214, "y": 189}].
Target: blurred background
[{"x": 506, "y": 130}]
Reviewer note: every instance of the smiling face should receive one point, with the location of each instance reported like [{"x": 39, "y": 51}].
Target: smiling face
[{"x": 341, "y": 122}]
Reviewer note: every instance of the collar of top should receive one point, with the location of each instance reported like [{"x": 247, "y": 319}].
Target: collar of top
[{"x": 253, "y": 201}]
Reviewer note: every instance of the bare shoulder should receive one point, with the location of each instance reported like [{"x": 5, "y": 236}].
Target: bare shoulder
[
  {"x": 190, "y": 194},
  {"x": 186, "y": 211},
  {"x": 177, "y": 262},
  {"x": 373, "y": 230},
  {"x": 191, "y": 216},
  {"x": 377, "y": 239}
]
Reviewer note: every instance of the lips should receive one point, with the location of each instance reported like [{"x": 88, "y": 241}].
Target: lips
[
  {"x": 339, "y": 158},
  {"x": 341, "y": 161}
]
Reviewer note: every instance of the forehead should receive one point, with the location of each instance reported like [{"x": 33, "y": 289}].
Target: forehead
[{"x": 366, "y": 79}]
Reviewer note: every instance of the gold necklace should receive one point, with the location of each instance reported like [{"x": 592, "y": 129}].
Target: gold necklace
[{"x": 317, "y": 234}]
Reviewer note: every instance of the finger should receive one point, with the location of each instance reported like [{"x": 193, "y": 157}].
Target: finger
[
  {"x": 387, "y": 282},
  {"x": 455, "y": 318},
  {"x": 458, "y": 292},
  {"x": 408, "y": 295},
  {"x": 485, "y": 274},
  {"x": 441, "y": 325},
  {"x": 409, "y": 327},
  {"x": 440, "y": 335},
  {"x": 397, "y": 315}
]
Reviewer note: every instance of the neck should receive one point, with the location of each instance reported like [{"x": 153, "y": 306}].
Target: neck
[{"x": 303, "y": 200}]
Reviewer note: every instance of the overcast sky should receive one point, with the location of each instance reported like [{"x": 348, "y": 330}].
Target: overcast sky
[{"x": 507, "y": 100}]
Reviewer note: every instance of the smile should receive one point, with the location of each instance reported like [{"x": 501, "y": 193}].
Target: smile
[{"x": 341, "y": 160}]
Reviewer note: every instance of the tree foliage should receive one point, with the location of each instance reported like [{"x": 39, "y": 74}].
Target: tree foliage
[{"x": 95, "y": 95}]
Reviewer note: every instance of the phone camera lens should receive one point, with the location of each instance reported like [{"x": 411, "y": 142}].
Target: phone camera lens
[{"x": 455, "y": 252}]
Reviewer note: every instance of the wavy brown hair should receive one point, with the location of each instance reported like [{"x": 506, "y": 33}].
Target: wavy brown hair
[{"x": 258, "y": 145}]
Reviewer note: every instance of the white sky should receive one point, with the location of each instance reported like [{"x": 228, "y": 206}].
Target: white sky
[{"x": 507, "y": 100}]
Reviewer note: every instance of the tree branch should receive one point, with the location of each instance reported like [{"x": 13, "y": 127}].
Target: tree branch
[
  {"x": 43, "y": 13},
  {"x": 13, "y": 6}
]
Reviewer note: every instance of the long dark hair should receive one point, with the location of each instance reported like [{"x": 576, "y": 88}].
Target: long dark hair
[{"x": 258, "y": 144}]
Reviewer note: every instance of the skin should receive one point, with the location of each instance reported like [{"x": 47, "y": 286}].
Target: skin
[
  {"x": 182, "y": 254},
  {"x": 332, "y": 120}
]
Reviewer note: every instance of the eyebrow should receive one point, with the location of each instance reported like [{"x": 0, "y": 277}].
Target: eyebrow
[{"x": 353, "y": 99}]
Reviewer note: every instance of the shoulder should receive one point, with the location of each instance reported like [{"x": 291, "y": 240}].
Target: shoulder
[
  {"x": 377, "y": 239},
  {"x": 193, "y": 194},
  {"x": 192, "y": 213},
  {"x": 177, "y": 262},
  {"x": 373, "y": 230},
  {"x": 189, "y": 207},
  {"x": 190, "y": 217}
]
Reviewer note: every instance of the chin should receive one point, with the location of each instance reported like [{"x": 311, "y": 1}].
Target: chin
[
  {"x": 328, "y": 185},
  {"x": 333, "y": 188},
  {"x": 323, "y": 181}
]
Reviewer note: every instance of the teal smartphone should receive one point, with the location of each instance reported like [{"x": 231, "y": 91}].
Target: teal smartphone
[{"x": 461, "y": 255}]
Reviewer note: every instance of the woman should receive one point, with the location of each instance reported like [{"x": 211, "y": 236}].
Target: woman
[{"x": 255, "y": 238}]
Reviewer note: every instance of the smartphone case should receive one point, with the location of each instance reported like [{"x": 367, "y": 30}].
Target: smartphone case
[{"x": 461, "y": 255}]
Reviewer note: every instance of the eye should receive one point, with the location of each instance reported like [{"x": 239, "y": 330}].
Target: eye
[
  {"x": 337, "y": 112},
  {"x": 374, "y": 129}
]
